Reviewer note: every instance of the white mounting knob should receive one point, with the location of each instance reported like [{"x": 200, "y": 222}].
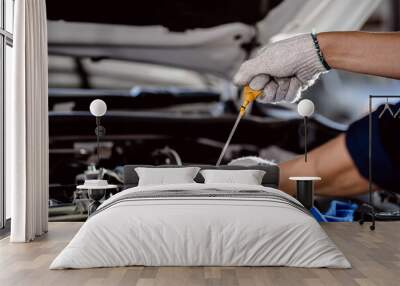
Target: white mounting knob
[
  {"x": 305, "y": 108},
  {"x": 98, "y": 107}
]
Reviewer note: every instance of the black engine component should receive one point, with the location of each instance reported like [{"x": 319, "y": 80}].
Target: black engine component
[
  {"x": 178, "y": 15},
  {"x": 138, "y": 98}
]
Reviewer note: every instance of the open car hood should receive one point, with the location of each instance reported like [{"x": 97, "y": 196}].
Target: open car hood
[{"x": 206, "y": 36}]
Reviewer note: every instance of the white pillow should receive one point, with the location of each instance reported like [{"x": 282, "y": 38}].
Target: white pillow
[
  {"x": 165, "y": 176},
  {"x": 248, "y": 177}
]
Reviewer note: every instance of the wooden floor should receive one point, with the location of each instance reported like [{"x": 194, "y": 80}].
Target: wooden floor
[{"x": 375, "y": 257}]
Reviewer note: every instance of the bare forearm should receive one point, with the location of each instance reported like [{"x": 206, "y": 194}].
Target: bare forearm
[
  {"x": 362, "y": 52},
  {"x": 333, "y": 164}
]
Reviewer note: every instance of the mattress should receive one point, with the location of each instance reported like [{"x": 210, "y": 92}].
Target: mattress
[{"x": 201, "y": 225}]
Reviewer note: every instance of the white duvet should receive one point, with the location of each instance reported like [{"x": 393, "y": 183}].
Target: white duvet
[{"x": 200, "y": 231}]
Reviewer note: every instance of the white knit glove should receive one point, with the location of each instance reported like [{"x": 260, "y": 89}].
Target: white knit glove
[{"x": 282, "y": 69}]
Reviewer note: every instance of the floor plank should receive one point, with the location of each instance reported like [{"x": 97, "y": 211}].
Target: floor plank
[{"x": 375, "y": 257}]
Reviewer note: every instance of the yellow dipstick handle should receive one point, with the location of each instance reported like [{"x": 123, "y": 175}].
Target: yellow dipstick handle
[{"x": 249, "y": 95}]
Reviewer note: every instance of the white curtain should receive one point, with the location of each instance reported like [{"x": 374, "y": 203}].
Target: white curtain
[{"x": 27, "y": 123}]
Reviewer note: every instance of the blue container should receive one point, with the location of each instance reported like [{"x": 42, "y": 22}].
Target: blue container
[
  {"x": 318, "y": 215},
  {"x": 338, "y": 211}
]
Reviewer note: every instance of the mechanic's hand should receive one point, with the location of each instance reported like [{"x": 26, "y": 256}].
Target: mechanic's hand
[{"x": 282, "y": 69}]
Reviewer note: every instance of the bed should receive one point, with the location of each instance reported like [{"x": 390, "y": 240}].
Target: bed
[{"x": 201, "y": 224}]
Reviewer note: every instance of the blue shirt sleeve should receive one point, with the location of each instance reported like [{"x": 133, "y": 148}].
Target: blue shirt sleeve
[{"x": 385, "y": 147}]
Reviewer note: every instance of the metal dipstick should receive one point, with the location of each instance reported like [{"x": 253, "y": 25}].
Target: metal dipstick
[
  {"x": 249, "y": 95},
  {"x": 229, "y": 139}
]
